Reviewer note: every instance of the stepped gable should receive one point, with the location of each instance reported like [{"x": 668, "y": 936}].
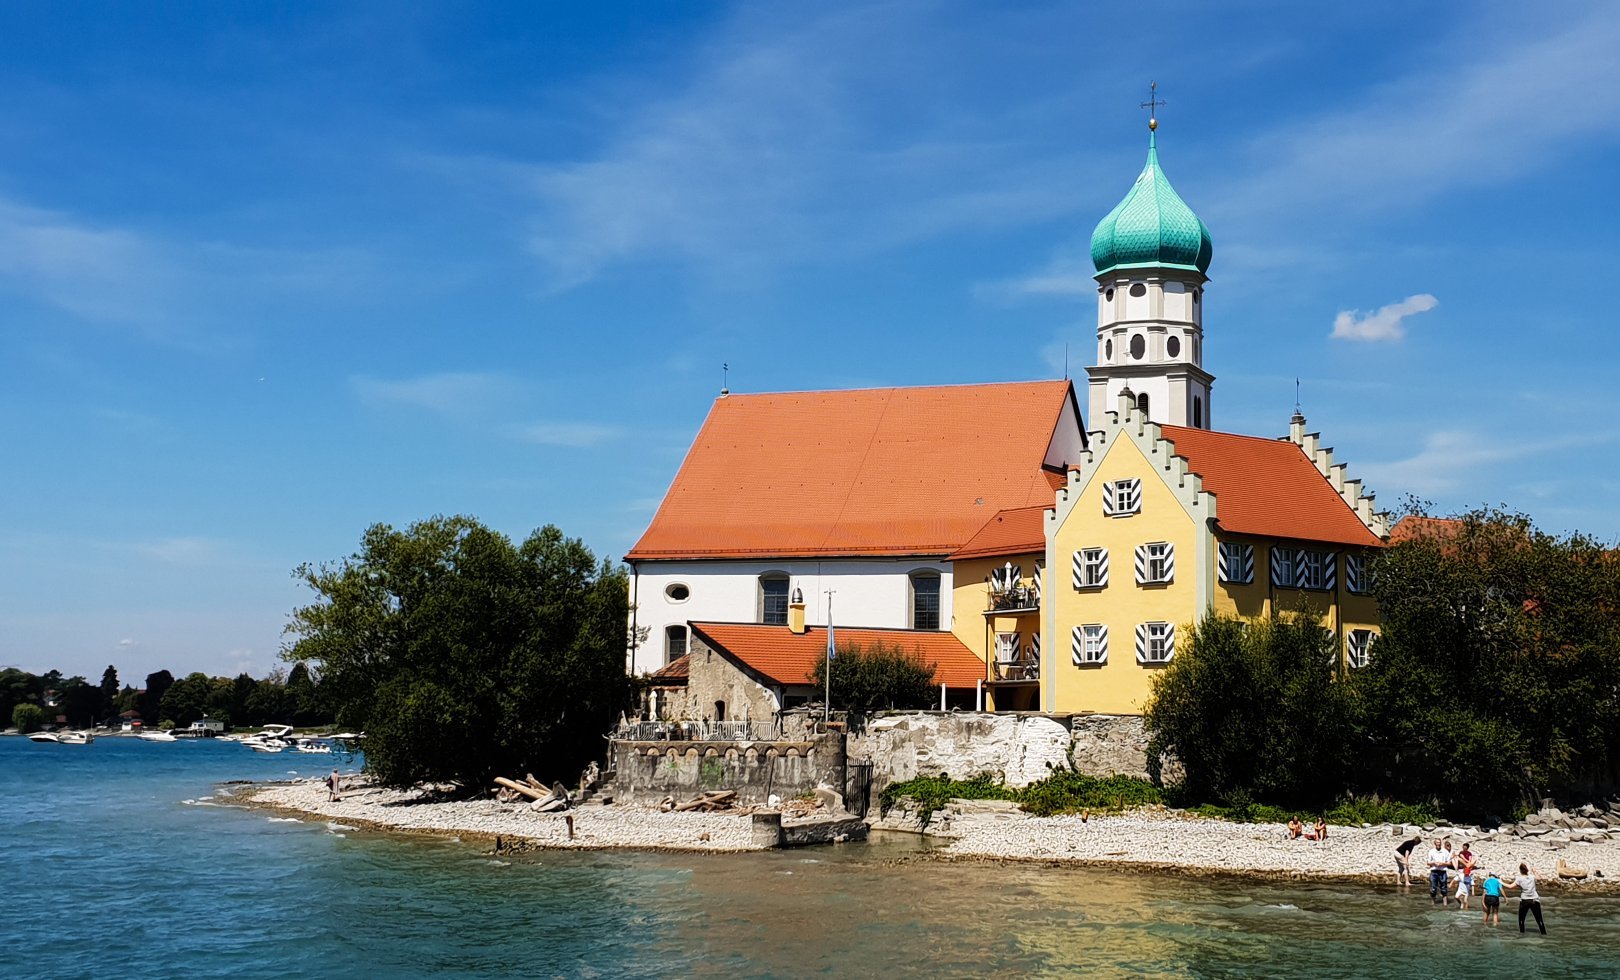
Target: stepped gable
[
  {"x": 1018, "y": 531},
  {"x": 788, "y": 658},
  {"x": 1271, "y": 488},
  {"x": 872, "y": 472}
]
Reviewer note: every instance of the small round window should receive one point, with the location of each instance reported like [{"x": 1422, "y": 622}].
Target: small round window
[
  {"x": 1109, "y": 295},
  {"x": 1137, "y": 289},
  {"x": 1108, "y": 350},
  {"x": 1138, "y": 347},
  {"x": 677, "y": 592},
  {"x": 1172, "y": 346}
]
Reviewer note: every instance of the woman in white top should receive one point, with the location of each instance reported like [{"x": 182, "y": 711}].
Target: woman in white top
[{"x": 1529, "y": 898}]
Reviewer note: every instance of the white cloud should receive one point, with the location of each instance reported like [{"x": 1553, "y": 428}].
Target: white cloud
[
  {"x": 127, "y": 642},
  {"x": 1389, "y": 323},
  {"x": 182, "y": 550},
  {"x": 571, "y": 434},
  {"x": 1450, "y": 461},
  {"x": 447, "y": 393},
  {"x": 98, "y": 273}
]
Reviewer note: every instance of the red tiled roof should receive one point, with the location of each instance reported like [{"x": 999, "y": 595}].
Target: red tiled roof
[
  {"x": 788, "y": 658},
  {"x": 673, "y": 674},
  {"x": 1019, "y": 531},
  {"x": 881, "y": 471},
  {"x": 1413, "y": 528},
  {"x": 1268, "y": 487}
]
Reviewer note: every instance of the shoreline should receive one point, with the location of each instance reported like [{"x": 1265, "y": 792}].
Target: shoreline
[{"x": 1152, "y": 842}]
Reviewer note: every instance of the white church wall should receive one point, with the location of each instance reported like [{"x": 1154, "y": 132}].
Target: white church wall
[{"x": 867, "y": 592}]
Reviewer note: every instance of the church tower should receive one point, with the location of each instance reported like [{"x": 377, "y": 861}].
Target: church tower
[{"x": 1151, "y": 254}]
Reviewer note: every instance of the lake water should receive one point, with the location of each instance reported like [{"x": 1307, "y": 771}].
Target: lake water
[{"x": 116, "y": 863}]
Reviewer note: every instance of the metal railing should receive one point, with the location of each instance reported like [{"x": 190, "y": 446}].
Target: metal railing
[
  {"x": 698, "y": 731},
  {"x": 1017, "y": 597},
  {"x": 1017, "y": 670}
]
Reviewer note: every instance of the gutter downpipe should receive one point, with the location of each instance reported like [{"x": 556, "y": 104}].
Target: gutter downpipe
[
  {"x": 978, "y": 695},
  {"x": 942, "y": 695},
  {"x": 635, "y": 597}
]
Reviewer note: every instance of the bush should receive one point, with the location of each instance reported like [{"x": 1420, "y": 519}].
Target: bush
[
  {"x": 1066, "y": 791},
  {"x": 878, "y": 677},
  {"x": 27, "y": 718},
  {"x": 933, "y": 792}
]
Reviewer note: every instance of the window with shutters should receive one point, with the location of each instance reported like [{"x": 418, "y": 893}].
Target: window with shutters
[
  {"x": 1091, "y": 568},
  {"x": 1315, "y": 570},
  {"x": 1358, "y": 647},
  {"x": 1282, "y": 566},
  {"x": 1235, "y": 562},
  {"x": 1156, "y": 563},
  {"x": 1155, "y": 643},
  {"x": 1357, "y": 574},
  {"x": 1007, "y": 648},
  {"x": 1090, "y": 645},
  {"x": 1122, "y": 498}
]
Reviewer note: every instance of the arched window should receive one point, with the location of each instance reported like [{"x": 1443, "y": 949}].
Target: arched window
[
  {"x": 674, "y": 643},
  {"x": 1138, "y": 347},
  {"x": 719, "y": 711},
  {"x": 1198, "y": 412},
  {"x": 1142, "y": 403},
  {"x": 925, "y": 600},
  {"x": 773, "y": 599}
]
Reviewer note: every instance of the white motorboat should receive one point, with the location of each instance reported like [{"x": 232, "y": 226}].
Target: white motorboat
[
  {"x": 45, "y": 737},
  {"x": 314, "y": 747},
  {"x": 265, "y": 746},
  {"x": 75, "y": 738},
  {"x": 157, "y": 737}
]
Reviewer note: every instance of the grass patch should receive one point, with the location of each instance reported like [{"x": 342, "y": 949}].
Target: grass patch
[{"x": 1349, "y": 812}]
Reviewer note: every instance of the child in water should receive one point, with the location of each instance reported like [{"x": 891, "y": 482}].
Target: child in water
[
  {"x": 1493, "y": 898},
  {"x": 1464, "y": 888}
]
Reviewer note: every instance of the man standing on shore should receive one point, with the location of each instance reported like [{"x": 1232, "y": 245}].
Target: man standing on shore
[
  {"x": 1439, "y": 863},
  {"x": 333, "y": 782}
]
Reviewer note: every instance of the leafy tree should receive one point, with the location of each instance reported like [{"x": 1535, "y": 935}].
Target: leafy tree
[
  {"x": 27, "y": 718},
  {"x": 109, "y": 693},
  {"x": 1252, "y": 709},
  {"x": 18, "y": 687},
  {"x": 1497, "y": 678},
  {"x": 878, "y": 677},
  {"x": 186, "y": 700},
  {"x": 268, "y": 704},
  {"x": 151, "y": 700},
  {"x": 462, "y": 655},
  {"x": 80, "y": 701}
]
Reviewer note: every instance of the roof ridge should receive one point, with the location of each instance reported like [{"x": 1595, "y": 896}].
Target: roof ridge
[{"x": 733, "y": 396}]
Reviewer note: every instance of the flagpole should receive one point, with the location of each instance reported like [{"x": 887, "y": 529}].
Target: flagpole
[{"x": 826, "y": 707}]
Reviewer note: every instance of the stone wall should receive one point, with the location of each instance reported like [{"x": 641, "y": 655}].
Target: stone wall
[
  {"x": 711, "y": 678},
  {"x": 1019, "y": 747},
  {"x": 648, "y": 770}
]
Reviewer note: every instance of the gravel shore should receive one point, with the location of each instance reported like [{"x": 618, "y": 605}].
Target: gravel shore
[
  {"x": 595, "y": 827},
  {"x": 1172, "y": 840}
]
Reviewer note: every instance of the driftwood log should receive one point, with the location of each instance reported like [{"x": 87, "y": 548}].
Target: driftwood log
[
  {"x": 524, "y": 788},
  {"x": 709, "y": 801}
]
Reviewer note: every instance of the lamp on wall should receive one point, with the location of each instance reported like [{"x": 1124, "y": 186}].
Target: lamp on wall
[{"x": 798, "y": 594}]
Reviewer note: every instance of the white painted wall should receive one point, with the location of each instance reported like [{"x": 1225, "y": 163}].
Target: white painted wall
[{"x": 868, "y": 592}]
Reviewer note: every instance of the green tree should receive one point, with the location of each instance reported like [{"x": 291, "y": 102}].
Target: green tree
[
  {"x": 1253, "y": 711},
  {"x": 878, "y": 677},
  {"x": 151, "y": 699},
  {"x": 268, "y": 703},
  {"x": 109, "y": 694},
  {"x": 1497, "y": 678},
  {"x": 463, "y": 656},
  {"x": 79, "y": 701},
  {"x": 187, "y": 699},
  {"x": 27, "y": 718},
  {"x": 18, "y": 687}
]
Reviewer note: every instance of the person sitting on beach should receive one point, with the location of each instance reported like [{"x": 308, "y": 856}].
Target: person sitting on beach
[
  {"x": 1318, "y": 832},
  {"x": 1493, "y": 899},
  {"x": 1295, "y": 828},
  {"x": 1439, "y": 862},
  {"x": 1403, "y": 861}
]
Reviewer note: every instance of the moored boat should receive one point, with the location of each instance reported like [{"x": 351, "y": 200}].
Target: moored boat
[
  {"x": 157, "y": 737},
  {"x": 45, "y": 737},
  {"x": 75, "y": 738}
]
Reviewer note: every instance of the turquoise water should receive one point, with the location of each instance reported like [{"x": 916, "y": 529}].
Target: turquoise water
[{"x": 109, "y": 871}]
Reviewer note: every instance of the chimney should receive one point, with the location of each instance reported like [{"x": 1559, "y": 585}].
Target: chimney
[
  {"x": 796, "y": 611},
  {"x": 1296, "y": 429}
]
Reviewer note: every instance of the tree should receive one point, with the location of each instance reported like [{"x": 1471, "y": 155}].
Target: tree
[
  {"x": 187, "y": 699},
  {"x": 80, "y": 701},
  {"x": 878, "y": 677},
  {"x": 109, "y": 693},
  {"x": 27, "y": 718},
  {"x": 18, "y": 687},
  {"x": 1497, "y": 678},
  {"x": 151, "y": 699},
  {"x": 462, "y": 656},
  {"x": 1252, "y": 710}
]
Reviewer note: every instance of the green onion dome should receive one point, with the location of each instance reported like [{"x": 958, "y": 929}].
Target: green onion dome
[{"x": 1152, "y": 228}]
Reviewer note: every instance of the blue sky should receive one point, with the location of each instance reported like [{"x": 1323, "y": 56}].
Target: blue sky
[{"x": 269, "y": 274}]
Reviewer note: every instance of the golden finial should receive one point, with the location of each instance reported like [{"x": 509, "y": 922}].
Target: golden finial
[{"x": 1152, "y": 105}]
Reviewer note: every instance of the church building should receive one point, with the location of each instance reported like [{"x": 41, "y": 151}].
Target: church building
[{"x": 1055, "y": 567}]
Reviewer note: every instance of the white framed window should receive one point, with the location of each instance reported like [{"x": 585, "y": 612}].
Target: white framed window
[
  {"x": 1315, "y": 570},
  {"x": 1357, "y": 573},
  {"x": 1088, "y": 645},
  {"x": 1282, "y": 566},
  {"x": 1122, "y": 498},
  {"x": 1235, "y": 562},
  {"x": 1155, "y": 563},
  {"x": 1007, "y": 648},
  {"x": 1358, "y": 647},
  {"x": 1155, "y": 643},
  {"x": 1091, "y": 568}
]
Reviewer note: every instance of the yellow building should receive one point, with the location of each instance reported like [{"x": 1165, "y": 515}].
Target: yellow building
[{"x": 1160, "y": 524}]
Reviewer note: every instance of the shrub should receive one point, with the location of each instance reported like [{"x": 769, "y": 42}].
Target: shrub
[
  {"x": 27, "y": 718},
  {"x": 1066, "y": 791},
  {"x": 878, "y": 677},
  {"x": 933, "y": 792}
]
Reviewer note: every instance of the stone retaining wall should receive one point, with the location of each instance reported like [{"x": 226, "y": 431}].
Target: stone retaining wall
[
  {"x": 1020, "y": 747},
  {"x": 652, "y": 770}
]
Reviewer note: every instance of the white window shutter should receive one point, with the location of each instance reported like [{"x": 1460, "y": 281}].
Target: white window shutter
[
  {"x": 1080, "y": 569},
  {"x": 1282, "y": 567},
  {"x": 1141, "y": 643},
  {"x": 1330, "y": 570},
  {"x": 1142, "y": 565},
  {"x": 1169, "y": 563},
  {"x": 1077, "y": 646}
]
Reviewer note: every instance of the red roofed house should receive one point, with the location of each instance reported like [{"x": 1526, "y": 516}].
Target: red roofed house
[{"x": 982, "y": 521}]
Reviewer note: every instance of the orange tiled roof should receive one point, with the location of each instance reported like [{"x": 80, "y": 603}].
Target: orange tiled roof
[
  {"x": 788, "y": 658},
  {"x": 880, "y": 471},
  {"x": 1019, "y": 531},
  {"x": 1413, "y": 528},
  {"x": 1268, "y": 487},
  {"x": 673, "y": 674}
]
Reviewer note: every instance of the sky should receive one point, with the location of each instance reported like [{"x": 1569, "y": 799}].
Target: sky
[{"x": 270, "y": 274}]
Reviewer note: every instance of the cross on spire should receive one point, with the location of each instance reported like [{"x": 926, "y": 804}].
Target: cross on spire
[{"x": 1152, "y": 105}]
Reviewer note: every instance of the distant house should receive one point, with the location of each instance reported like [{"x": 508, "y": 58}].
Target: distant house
[{"x": 129, "y": 721}]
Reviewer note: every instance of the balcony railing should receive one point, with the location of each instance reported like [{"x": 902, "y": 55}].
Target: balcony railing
[
  {"x": 1017, "y": 670},
  {"x": 1018, "y": 598}
]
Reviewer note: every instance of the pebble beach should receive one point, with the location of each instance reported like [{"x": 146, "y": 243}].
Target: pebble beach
[{"x": 1164, "y": 840}]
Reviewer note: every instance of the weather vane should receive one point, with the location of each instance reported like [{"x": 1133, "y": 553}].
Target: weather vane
[{"x": 1152, "y": 105}]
